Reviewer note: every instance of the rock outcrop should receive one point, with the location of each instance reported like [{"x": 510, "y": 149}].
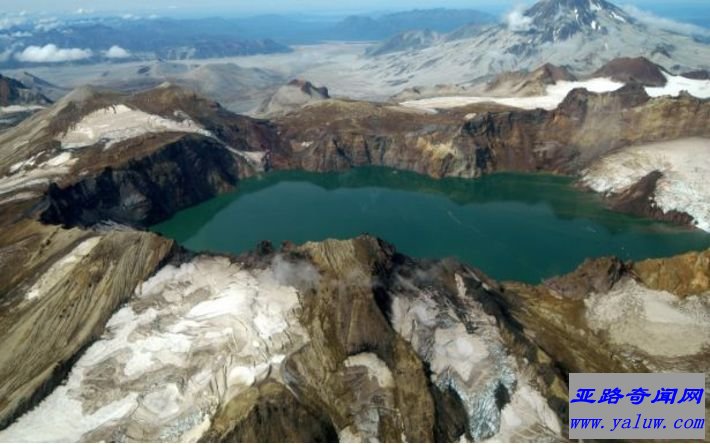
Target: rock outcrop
[
  {"x": 525, "y": 84},
  {"x": 291, "y": 97},
  {"x": 633, "y": 70}
]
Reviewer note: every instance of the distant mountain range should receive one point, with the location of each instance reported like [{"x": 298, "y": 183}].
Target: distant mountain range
[
  {"x": 114, "y": 39},
  {"x": 579, "y": 34},
  {"x": 435, "y": 20},
  {"x": 96, "y": 39}
]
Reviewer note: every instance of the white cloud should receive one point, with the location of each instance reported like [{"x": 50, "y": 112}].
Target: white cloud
[
  {"x": 116, "y": 52},
  {"x": 9, "y": 22},
  {"x": 47, "y": 24},
  {"x": 516, "y": 20},
  {"x": 655, "y": 21},
  {"x": 51, "y": 53}
]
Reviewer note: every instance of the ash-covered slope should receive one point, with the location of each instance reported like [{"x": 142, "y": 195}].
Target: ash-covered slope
[
  {"x": 637, "y": 69},
  {"x": 292, "y": 96},
  {"x": 581, "y": 34}
]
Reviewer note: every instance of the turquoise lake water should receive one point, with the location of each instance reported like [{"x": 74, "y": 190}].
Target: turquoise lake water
[{"x": 512, "y": 226}]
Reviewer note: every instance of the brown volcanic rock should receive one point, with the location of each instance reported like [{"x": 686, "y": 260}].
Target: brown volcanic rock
[
  {"x": 593, "y": 276},
  {"x": 633, "y": 70},
  {"x": 270, "y": 413},
  {"x": 291, "y": 97},
  {"x": 60, "y": 288},
  {"x": 527, "y": 84},
  {"x": 682, "y": 275},
  {"x": 638, "y": 199},
  {"x": 337, "y": 135},
  {"x": 560, "y": 315},
  {"x": 308, "y": 88}
]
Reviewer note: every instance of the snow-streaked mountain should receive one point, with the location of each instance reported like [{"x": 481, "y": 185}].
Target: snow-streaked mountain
[{"x": 580, "y": 34}]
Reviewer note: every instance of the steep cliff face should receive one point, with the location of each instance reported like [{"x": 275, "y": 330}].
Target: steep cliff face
[
  {"x": 464, "y": 141},
  {"x": 149, "y": 189},
  {"x": 131, "y": 159},
  {"x": 473, "y": 140}
]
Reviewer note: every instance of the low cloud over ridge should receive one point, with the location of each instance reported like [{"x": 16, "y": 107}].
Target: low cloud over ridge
[{"x": 52, "y": 54}]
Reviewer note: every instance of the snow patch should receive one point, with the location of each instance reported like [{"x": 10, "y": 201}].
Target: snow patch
[
  {"x": 472, "y": 363},
  {"x": 12, "y": 109},
  {"x": 676, "y": 84},
  {"x": 27, "y": 174},
  {"x": 118, "y": 123},
  {"x": 62, "y": 268},
  {"x": 375, "y": 366},
  {"x": 656, "y": 322},
  {"x": 684, "y": 163},
  {"x": 192, "y": 337},
  {"x": 555, "y": 94},
  {"x": 527, "y": 408}
]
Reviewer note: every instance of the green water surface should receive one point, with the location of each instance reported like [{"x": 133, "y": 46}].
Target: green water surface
[{"x": 521, "y": 227}]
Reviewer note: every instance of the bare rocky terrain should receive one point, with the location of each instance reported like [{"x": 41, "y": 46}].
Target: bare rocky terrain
[
  {"x": 109, "y": 332},
  {"x": 344, "y": 340}
]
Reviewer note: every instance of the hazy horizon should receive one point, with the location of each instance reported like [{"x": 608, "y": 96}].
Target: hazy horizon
[{"x": 180, "y": 8}]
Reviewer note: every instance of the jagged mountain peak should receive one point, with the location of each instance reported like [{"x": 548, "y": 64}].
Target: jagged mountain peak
[{"x": 559, "y": 20}]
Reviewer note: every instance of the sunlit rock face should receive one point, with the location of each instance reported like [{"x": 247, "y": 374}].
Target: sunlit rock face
[
  {"x": 59, "y": 289},
  {"x": 334, "y": 340},
  {"x": 650, "y": 316}
]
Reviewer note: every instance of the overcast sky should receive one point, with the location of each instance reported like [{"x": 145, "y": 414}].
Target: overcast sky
[{"x": 243, "y": 7}]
